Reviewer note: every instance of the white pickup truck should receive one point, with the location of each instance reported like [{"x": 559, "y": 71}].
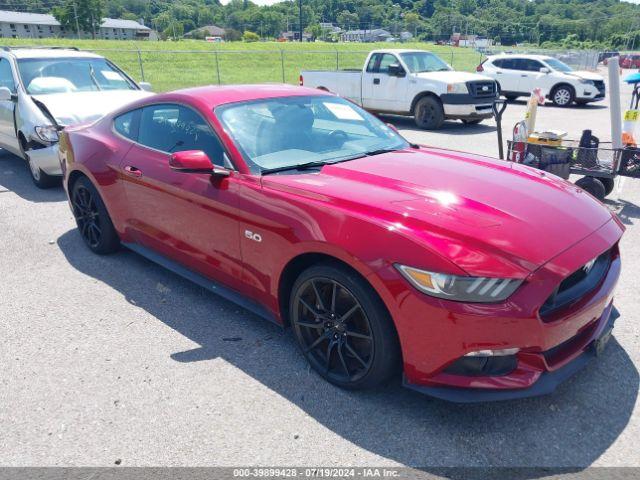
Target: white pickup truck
[{"x": 411, "y": 82}]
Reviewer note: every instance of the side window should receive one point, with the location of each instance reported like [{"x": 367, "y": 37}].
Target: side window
[
  {"x": 531, "y": 65},
  {"x": 6, "y": 75},
  {"x": 387, "y": 59},
  {"x": 510, "y": 63},
  {"x": 175, "y": 128},
  {"x": 125, "y": 125},
  {"x": 498, "y": 63},
  {"x": 371, "y": 66}
]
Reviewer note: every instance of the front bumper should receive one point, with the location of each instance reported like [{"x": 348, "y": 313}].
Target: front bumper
[
  {"x": 466, "y": 106},
  {"x": 47, "y": 159},
  {"x": 434, "y": 334},
  {"x": 590, "y": 93}
]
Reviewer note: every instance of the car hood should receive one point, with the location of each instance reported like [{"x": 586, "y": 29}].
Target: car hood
[
  {"x": 489, "y": 217},
  {"x": 453, "y": 76},
  {"x": 79, "y": 107},
  {"x": 585, "y": 75}
]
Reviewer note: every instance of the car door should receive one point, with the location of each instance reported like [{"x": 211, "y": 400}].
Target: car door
[
  {"x": 381, "y": 91},
  {"x": 189, "y": 217},
  {"x": 507, "y": 74},
  {"x": 8, "y": 138},
  {"x": 530, "y": 74}
]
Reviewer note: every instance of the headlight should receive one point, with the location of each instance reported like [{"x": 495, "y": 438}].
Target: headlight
[
  {"x": 586, "y": 82},
  {"x": 460, "y": 289},
  {"x": 47, "y": 133},
  {"x": 457, "y": 88}
]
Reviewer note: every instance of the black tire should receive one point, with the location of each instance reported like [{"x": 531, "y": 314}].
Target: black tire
[
  {"x": 335, "y": 314},
  {"x": 563, "y": 95},
  {"x": 609, "y": 185},
  {"x": 92, "y": 218},
  {"x": 40, "y": 179},
  {"x": 474, "y": 121},
  {"x": 428, "y": 113},
  {"x": 593, "y": 186}
]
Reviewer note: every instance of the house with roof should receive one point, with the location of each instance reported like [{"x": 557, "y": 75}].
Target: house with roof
[
  {"x": 206, "y": 31},
  {"x": 373, "y": 35},
  {"x": 38, "y": 25}
]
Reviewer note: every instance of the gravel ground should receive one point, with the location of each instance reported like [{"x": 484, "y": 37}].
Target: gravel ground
[{"x": 113, "y": 359}]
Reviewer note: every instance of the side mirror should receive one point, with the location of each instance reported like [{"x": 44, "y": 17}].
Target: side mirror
[
  {"x": 6, "y": 95},
  {"x": 395, "y": 70},
  {"x": 545, "y": 70},
  {"x": 195, "y": 161},
  {"x": 146, "y": 86}
]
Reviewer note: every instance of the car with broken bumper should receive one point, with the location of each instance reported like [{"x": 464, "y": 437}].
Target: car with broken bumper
[
  {"x": 473, "y": 278},
  {"x": 42, "y": 90}
]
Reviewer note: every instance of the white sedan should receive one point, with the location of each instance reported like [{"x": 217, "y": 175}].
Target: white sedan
[{"x": 43, "y": 90}]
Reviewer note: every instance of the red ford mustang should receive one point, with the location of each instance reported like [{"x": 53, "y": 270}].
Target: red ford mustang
[{"x": 481, "y": 279}]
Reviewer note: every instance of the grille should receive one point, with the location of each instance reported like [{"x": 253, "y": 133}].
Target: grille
[
  {"x": 482, "y": 89},
  {"x": 577, "y": 285},
  {"x": 599, "y": 84}
]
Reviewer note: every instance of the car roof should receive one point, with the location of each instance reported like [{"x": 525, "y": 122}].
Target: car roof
[
  {"x": 518, "y": 55},
  {"x": 212, "y": 96},
  {"x": 51, "y": 53},
  {"x": 400, "y": 50}
]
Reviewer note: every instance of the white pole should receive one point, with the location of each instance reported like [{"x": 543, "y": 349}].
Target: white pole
[{"x": 614, "y": 99}]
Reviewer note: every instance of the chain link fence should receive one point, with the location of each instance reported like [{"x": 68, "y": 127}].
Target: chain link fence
[
  {"x": 576, "y": 59},
  {"x": 173, "y": 69}
]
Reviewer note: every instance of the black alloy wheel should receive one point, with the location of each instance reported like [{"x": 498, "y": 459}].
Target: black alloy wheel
[
  {"x": 87, "y": 216},
  {"x": 334, "y": 330},
  {"x": 92, "y": 218}
]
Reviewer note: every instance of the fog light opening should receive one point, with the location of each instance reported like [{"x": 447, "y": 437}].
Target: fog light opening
[{"x": 493, "y": 353}]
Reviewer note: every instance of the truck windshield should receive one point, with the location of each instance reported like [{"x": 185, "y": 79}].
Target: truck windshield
[
  {"x": 292, "y": 132},
  {"x": 424, "y": 62},
  {"x": 558, "y": 65},
  {"x": 63, "y": 75}
]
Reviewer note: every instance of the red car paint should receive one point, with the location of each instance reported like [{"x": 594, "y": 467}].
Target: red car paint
[{"x": 429, "y": 208}]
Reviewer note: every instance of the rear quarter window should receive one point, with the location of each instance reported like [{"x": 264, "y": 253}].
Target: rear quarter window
[{"x": 125, "y": 125}]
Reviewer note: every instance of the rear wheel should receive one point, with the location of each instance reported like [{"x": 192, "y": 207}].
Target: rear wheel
[
  {"x": 429, "y": 113},
  {"x": 593, "y": 186},
  {"x": 91, "y": 216},
  {"x": 343, "y": 328}
]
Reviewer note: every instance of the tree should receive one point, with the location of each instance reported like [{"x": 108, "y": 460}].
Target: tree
[
  {"x": 412, "y": 22},
  {"x": 346, "y": 19},
  {"x": 85, "y": 15},
  {"x": 249, "y": 36},
  {"x": 314, "y": 30}
]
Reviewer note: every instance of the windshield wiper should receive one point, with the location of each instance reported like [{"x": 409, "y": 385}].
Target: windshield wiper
[
  {"x": 92, "y": 74},
  {"x": 302, "y": 166},
  {"x": 380, "y": 151}
]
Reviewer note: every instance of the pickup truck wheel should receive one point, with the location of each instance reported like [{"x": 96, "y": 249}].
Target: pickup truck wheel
[
  {"x": 429, "y": 113},
  {"x": 40, "y": 178}
]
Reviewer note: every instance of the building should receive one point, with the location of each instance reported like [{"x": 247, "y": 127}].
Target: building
[
  {"x": 373, "y": 35},
  {"x": 473, "y": 41},
  {"x": 206, "y": 31},
  {"x": 37, "y": 25},
  {"x": 294, "y": 36}
]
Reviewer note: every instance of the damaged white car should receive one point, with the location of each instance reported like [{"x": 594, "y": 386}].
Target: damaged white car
[{"x": 43, "y": 90}]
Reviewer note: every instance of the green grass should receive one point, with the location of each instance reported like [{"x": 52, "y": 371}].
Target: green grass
[{"x": 172, "y": 65}]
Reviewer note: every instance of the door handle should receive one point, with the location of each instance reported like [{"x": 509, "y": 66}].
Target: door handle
[
  {"x": 376, "y": 81},
  {"x": 524, "y": 75},
  {"x": 133, "y": 171},
  {"x": 499, "y": 73}
]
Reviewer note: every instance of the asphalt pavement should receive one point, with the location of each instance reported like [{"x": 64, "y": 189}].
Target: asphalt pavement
[{"x": 114, "y": 360}]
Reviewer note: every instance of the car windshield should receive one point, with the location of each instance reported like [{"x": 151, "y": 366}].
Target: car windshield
[
  {"x": 292, "y": 132},
  {"x": 424, "y": 62},
  {"x": 63, "y": 75},
  {"x": 558, "y": 65}
]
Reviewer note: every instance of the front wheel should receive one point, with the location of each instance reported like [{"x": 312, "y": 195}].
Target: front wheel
[
  {"x": 429, "y": 113},
  {"x": 38, "y": 176},
  {"x": 563, "y": 96},
  {"x": 343, "y": 327}
]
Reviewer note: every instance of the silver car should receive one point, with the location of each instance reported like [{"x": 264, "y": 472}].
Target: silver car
[{"x": 43, "y": 90}]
